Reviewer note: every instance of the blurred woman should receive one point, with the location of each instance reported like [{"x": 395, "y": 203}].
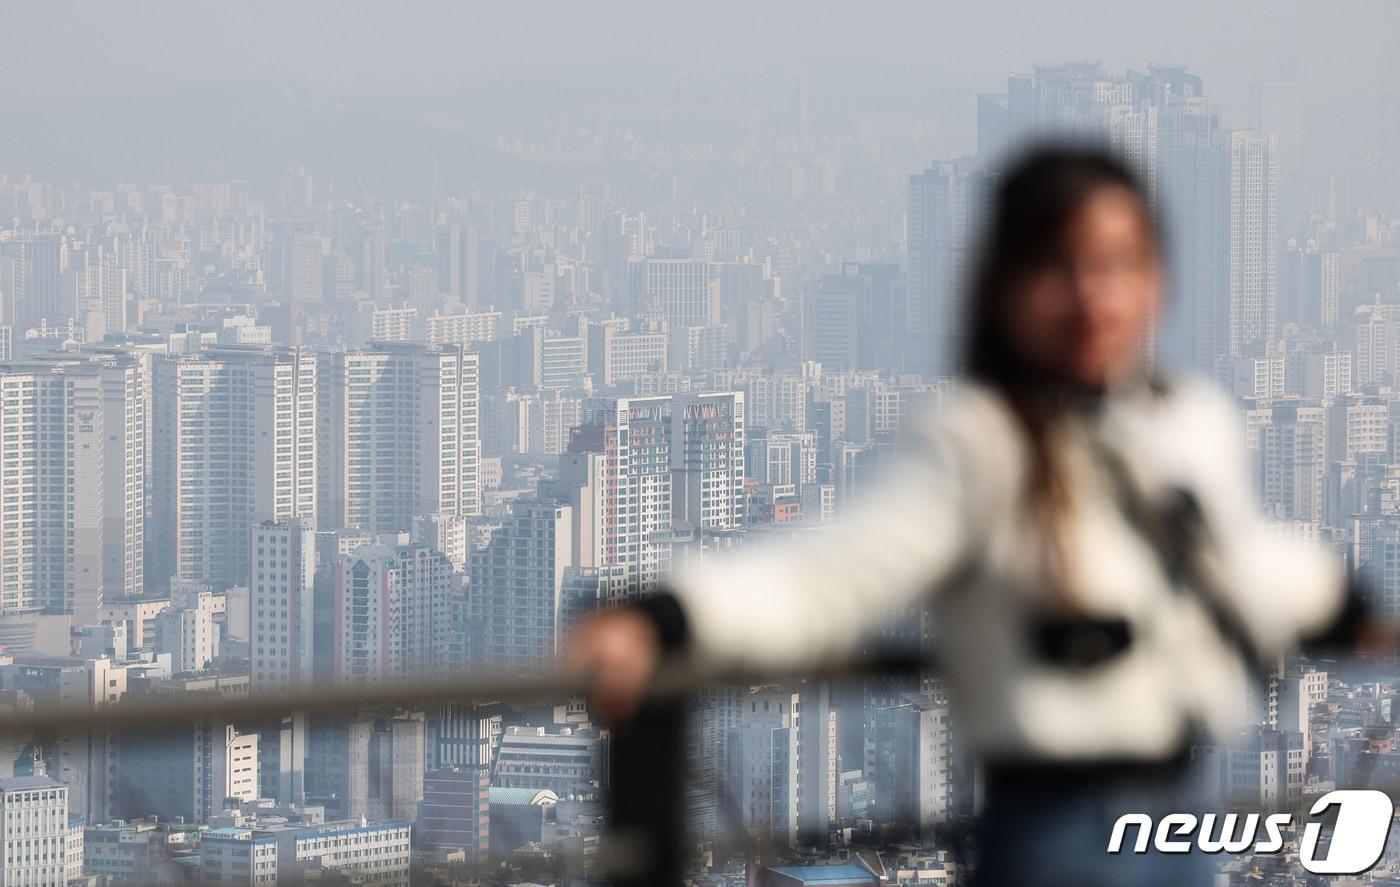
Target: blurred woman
[{"x": 1101, "y": 582}]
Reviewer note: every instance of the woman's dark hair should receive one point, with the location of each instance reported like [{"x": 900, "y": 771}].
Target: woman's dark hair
[{"x": 1036, "y": 199}]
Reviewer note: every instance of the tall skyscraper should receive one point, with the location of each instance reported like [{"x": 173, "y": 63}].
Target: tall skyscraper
[
  {"x": 10, "y": 281},
  {"x": 282, "y": 755},
  {"x": 1192, "y": 190},
  {"x": 1162, "y": 124},
  {"x": 944, "y": 202},
  {"x": 1253, "y": 261},
  {"x": 125, "y": 416},
  {"x": 447, "y": 246},
  {"x": 1276, "y": 108}
]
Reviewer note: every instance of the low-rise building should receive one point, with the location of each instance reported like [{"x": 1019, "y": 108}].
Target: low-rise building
[
  {"x": 377, "y": 853},
  {"x": 34, "y": 831}
]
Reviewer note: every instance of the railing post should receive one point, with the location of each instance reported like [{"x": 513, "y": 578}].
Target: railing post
[{"x": 646, "y": 830}]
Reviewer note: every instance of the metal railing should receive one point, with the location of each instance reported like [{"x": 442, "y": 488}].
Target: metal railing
[{"x": 645, "y": 844}]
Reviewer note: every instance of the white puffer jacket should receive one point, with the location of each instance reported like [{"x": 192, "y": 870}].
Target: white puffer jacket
[{"x": 957, "y": 502}]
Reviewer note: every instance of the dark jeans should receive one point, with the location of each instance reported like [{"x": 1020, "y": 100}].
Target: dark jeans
[{"x": 1047, "y": 825}]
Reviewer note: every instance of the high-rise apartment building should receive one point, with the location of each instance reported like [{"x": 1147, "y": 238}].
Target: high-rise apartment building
[
  {"x": 617, "y": 474},
  {"x": 280, "y": 602},
  {"x": 463, "y": 328},
  {"x": 97, "y": 286},
  {"x": 515, "y": 589},
  {"x": 707, "y": 453},
  {"x": 409, "y": 440},
  {"x": 1253, "y": 232},
  {"x": 944, "y": 203},
  {"x": 681, "y": 290},
  {"x": 617, "y": 353},
  {"x": 446, "y": 533},
  {"x": 1162, "y": 124},
  {"x": 1288, "y": 450},
  {"x": 124, "y": 461},
  {"x": 72, "y": 486},
  {"x": 395, "y": 609},
  {"x": 234, "y": 441},
  {"x": 41, "y": 260},
  {"x": 1191, "y": 186}
]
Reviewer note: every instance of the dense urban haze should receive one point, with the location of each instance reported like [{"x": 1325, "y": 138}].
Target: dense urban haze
[{"x": 352, "y": 343}]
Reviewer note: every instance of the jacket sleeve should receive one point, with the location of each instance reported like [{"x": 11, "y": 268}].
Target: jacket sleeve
[
  {"x": 813, "y": 597},
  {"x": 1285, "y": 588}
]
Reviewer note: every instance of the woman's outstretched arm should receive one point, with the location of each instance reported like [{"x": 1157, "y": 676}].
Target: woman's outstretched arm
[{"x": 814, "y": 597}]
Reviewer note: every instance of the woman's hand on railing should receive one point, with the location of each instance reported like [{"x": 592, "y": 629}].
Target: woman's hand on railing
[{"x": 619, "y": 650}]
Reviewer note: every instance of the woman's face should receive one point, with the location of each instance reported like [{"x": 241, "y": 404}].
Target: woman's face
[{"x": 1084, "y": 317}]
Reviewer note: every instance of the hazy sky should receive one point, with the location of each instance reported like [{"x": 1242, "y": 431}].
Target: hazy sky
[
  {"x": 55, "y": 48},
  {"x": 513, "y": 66}
]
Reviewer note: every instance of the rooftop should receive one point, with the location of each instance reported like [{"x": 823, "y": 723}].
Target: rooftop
[
  {"x": 522, "y": 797},
  {"x": 827, "y": 874},
  {"x": 26, "y": 783}
]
